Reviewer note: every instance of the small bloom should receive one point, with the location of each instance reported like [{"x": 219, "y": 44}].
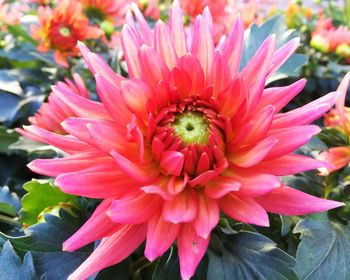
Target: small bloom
[
  {"x": 186, "y": 136},
  {"x": 338, "y": 118},
  {"x": 60, "y": 29},
  {"x": 10, "y": 14},
  {"x": 54, "y": 111}
]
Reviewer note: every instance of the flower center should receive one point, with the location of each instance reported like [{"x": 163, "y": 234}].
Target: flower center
[
  {"x": 192, "y": 127},
  {"x": 64, "y": 31}
]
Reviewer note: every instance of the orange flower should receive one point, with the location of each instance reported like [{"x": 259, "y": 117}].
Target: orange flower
[
  {"x": 113, "y": 10},
  {"x": 61, "y": 28}
]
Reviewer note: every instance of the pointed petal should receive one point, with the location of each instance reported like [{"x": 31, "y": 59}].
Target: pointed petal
[
  {"x": 111, "y": 250},
  {"x": 289, "y": 201},
  {"x": 160, "y": 236},
  {"x": 131, "y": 46},
  {"x": 191, "y": 250},
  {"x": 134, "y": 208},
  {"x": 338, "y": 157},
  {"x": 177, "y": 30},
  {"x": 208, "y": 215},
  {"x": 172, "y": 162},
  {"x": 244, "y": 209},
  {"x": 183, "y": 208},
  {"x": 221, "y": 186},
  {"x": 98, "y": 226}
]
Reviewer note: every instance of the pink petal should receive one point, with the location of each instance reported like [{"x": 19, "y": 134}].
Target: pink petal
[
  {"x": 177, "y": 31},
  {"x": 289, "y": 201},
  {"x": 289, "y": 164},
  {"x": 244, "y": 209},
  {"x": 281, "y": 96},
  {"x": 131, "y": 46},
  {"x": 203, "y": 45},
  {"x": 208, "y": 215},
  {"x": 134, "y": 208},
  {"x": 191, "y": 250},
  {"x": 95, "y": 184},
  {"x": 183, "y": 208},
  {"x": 289, "y": 139},
  {"x": 98, "y": 226},
  {"x": 164, "y": 45},
  {"x": 172, "y": 162},
  {"x": 221, "y": 186},
  {"x": 111, "y": 250},
  {"x": 250, "y": 156},
  {"x": 160, "y": 236},
  {"x": 232, "y": 46}
]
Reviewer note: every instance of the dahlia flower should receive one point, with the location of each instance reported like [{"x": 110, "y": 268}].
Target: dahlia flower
[
  {"x": 328, "y": 38},
  {"x": 55, "y": 110},
  {"x": 113, "y": 10},
  {"x": 184, "y": 137},
  {"x": 60, "y": 29},
  {"x": 338, "y": 118}
]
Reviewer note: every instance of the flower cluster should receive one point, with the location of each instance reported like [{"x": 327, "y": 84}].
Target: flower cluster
[{"x": 187, "y": 136}]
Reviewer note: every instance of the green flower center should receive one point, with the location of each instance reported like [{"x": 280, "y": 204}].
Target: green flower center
[
  {"x": 191, "y": 127},
  {"x": 64, "y": 31}
]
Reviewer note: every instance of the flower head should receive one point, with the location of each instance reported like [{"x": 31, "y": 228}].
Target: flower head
[
  {"x": 330, "y": 39},
  {"x": 338, "y": 118},
  {"x": 60, "y": 29},
  {"x": 10, "y": 14},
  {"x": 186, "y": 136},
  {"x": 54, "y": 111}
]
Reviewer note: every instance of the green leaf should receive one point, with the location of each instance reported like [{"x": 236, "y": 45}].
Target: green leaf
[
  {"x": 12, "y": 266},
  {"x": 7, "y": 138},
  {"x": 44, "y": 241},
  {"x": 18, "y": 31},
  {"x": 40, "y": 196},
  {"x": 9, "y": 202},
  {"x": 255, "y": 36},
  {"x": 324, "y": 251},
  {"x": 249, "y": 255}
]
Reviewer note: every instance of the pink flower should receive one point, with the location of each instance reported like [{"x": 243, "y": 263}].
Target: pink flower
[
  {"x": 185, "y": 137},
  {"x": 338, "y": 118},
  {"x": 10, "y": 14},
  {"x": 55, "y": 110}
]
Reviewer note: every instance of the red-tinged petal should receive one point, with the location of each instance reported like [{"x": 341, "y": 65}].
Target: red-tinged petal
[
  {"x": 164, "y": 45},
  {"x": 253, "y": 182},
  {"x": 289, "y": 139},
  {"x": 203, "y": 46},
  {"x": 254, "y": 73},
  {"x": 208, "y": 215},
  {"x": 250, "y": 156},
  {"x": 306, "y": 114},
  {"x": 221, "y": 186},
  {"x": 131, "y": 46},
  {"x": 98, "y": 226},
  {"x": 158, "y": 190},
  {"x": 153, "y": 68},
  {"x": 111, "y": 250},
  {"x": 60, "y": 59},
  {"x": 262, "y": 122},
  {"x": 95, "y": 184},
  {"x": 183, "y": 208},
  {"x": 289, "y": 201},
  {"x": 177, "y": 31},
  {"x": 56, "y": 166},
  {"x": 192, "y": 66},
  {"x": 176, "y": 184},
  {"x": 172, "y": 162},
  {"x": 343, "y": 88},
  {"x": 221, "y": 74},
  {"x": 160, "y": 236},
  {"x": 81, "y": 106},
  {"x": 146, "y": 31},
  {"x": 244, "y": 209},
  {"x": 66, "y": 143},
  {"x": 232, "y": 46},
  {"x": 281, "y": 96},
  {"x": 282, "y": 55},
  {"x": 136, "y": 95},
  {"x": 203, "y": 178},
  {"x": 112, "y": 100},
  {"x": 191, "y": 250},
  {"x": 134, "y": 208},
  {"x": 338, "y": 157},
  {"x": 144, "y": 173}
]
